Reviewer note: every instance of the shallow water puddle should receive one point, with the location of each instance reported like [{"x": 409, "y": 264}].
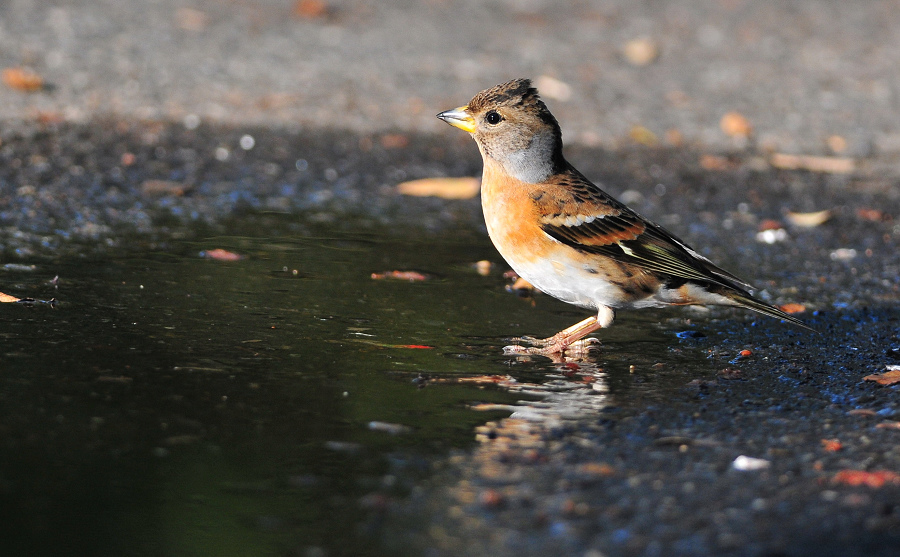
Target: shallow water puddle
[{"x": 277, "y": 402}]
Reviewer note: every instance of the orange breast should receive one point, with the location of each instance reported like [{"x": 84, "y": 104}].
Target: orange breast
[{"x": 511, "y": 218}]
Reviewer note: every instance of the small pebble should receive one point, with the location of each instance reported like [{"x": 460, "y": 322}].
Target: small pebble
[
  {"x": 641, "y": 51},
  {"x": 750, "y": 464}
]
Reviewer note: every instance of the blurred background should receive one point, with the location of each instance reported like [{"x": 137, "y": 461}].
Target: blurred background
[{"x": 805, "y": 76}]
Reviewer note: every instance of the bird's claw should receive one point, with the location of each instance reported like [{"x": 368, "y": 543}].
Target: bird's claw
[{"x": 552, "y": 347}]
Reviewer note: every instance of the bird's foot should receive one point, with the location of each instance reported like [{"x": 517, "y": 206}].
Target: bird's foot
[
  {"x": 553, "y": 347},
  {"x": 539, "y": 342}
]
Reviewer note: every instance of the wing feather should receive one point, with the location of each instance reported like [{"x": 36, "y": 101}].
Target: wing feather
[{"x": 597, "y": 223}]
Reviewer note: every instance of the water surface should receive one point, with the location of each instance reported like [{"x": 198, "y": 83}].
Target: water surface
[{"x": 173, "y": 404}]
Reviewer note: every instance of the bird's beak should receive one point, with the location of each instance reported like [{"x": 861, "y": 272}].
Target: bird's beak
[{"x": 458, "y": 117}]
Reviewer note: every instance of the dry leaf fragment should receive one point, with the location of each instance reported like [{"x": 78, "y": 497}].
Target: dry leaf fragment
[
  {"x": 643, "y": 136},
  {"x": 793, "y": 308},
  {"x": 890, "y": 377},
  {"x": 386, "y": 345},
  {"x": 221, "y": 255},
  {"x": 832, "y": 165},
  {"x": 875, "y": 479},
  {"x": 411, "y": 276},
  {"x": 487, "y": 407},
  {"x": 715, "y": 162},
  {"x": 597, "y": 469},
  {"x": 6, "y": 298},
  {"x": 310, "y": 9},
  {"x": 394, "y": 141},
  {"x": 22, "y": 79},
  {"x": 832, "y": 445},
  {"x": 446, "y": 188},
  {"x": 808, "y": 220},
  {"x": 640, "y": 51},
  {"x": 735, "y": 124},
  {"x": 769, "y": 224},
  {"x": 872, "y": 215},
  {"x": 162, "y": 187},
  {"x": 481, "y": 380}
]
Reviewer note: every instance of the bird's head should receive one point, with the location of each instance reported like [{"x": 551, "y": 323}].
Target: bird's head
[{"x": 512, "y": 127}]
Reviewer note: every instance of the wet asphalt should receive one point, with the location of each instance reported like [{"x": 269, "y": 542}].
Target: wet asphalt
[
  {"x": 673, "y": 473},
  {"x": 157, "y": 123}
]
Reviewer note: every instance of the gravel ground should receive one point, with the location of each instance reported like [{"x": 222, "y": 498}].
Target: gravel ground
[
  {"x": 70, "y": 188},
  {"x": 347, "y": 91},
  {"x": 673, "y": 474}
]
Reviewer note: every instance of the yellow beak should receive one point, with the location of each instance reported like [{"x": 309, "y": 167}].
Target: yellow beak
[{"x": 458, "y": 117}]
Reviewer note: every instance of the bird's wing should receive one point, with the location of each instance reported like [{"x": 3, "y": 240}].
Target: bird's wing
[{"x": 581, "y": 215}]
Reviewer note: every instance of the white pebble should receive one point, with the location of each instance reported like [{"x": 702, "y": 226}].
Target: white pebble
[
  {"x": 750, "y": 464},
  {"x": 772, "y": 235},
  {"x": 843, "y": 254},
  {"x": 247, "y": 142}
]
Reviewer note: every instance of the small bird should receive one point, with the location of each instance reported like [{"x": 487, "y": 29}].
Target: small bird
[{"x": 569, "y": 238}]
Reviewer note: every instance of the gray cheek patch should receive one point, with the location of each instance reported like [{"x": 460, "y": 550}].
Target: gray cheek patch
[{"x": 534, "y": 163}]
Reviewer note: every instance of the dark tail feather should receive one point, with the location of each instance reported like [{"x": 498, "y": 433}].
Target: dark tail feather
[{"x": 766, "y": 309}]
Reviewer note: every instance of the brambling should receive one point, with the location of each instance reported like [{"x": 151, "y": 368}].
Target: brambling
[{"x": 569, "y": 238}]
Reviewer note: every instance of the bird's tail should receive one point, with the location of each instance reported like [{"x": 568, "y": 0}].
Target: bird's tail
[{"x": 749, "y": 302}]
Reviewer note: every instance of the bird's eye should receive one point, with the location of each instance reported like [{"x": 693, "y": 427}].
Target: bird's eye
[{"x": 492, "y": 118}]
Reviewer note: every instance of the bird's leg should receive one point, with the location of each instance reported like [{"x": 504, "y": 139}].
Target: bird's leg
[
  {"x": 567, "y": 335},
  {"x": 562, "y": 340}
]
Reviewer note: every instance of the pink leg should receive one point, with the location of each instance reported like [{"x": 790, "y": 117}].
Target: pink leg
[{"x": 558, "y": 343}]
